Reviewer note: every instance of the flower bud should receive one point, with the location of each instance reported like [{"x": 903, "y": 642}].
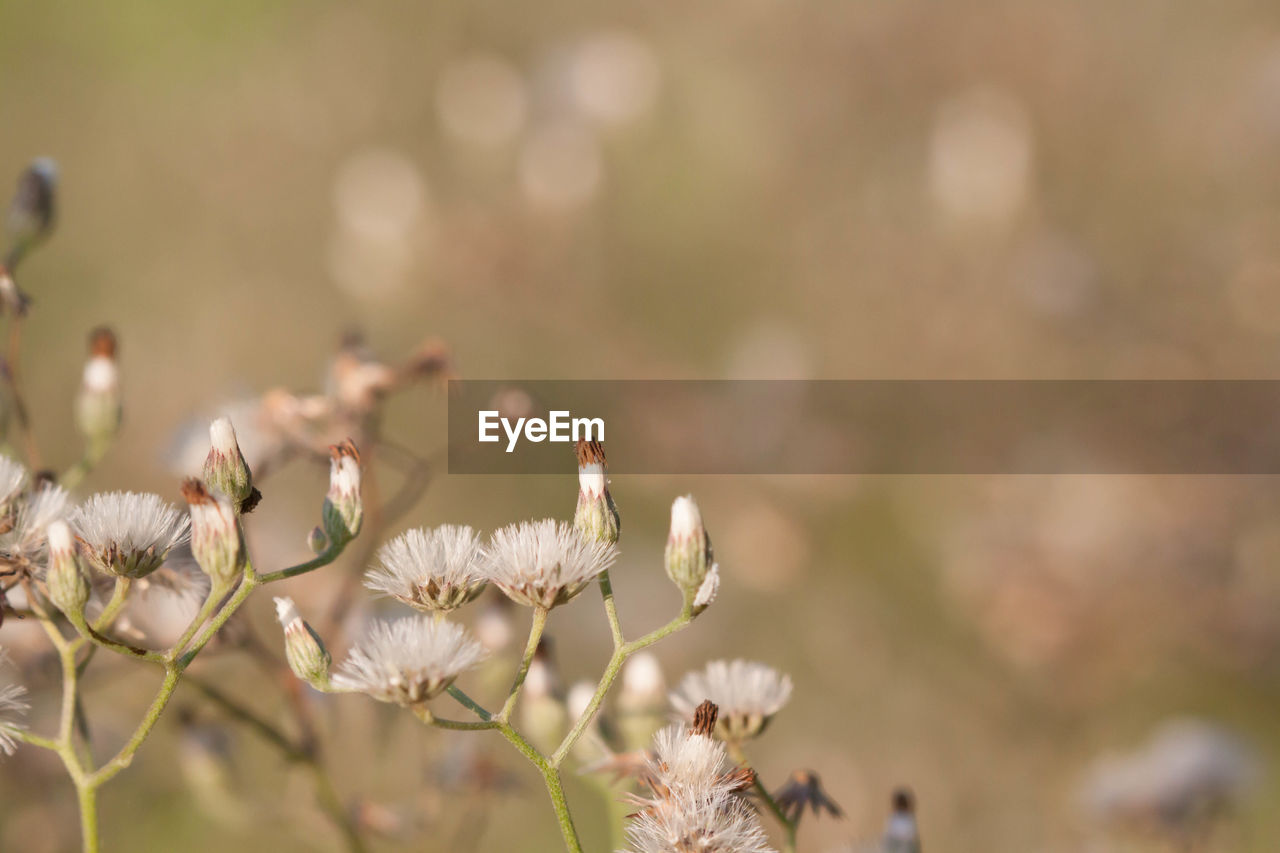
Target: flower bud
[
  {"x": 317, "y": 541},
  {"x": 224, "y": 468},
  {"x": 689, "y": 557},
  {"x": 302, "y": 646},
  {"x": 596, "y": 517},
  {"x": 65, "y": 581},
  {"x": 217, "y": 542},
  {"x": 343, "y": 510},
  {"x": 98, "y": 407}
]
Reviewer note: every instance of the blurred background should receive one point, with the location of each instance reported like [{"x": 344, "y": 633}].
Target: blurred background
[{"x": 760, "y": 189}]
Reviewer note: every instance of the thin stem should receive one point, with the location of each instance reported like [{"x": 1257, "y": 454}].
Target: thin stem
[
  {"x": 611, "y": 608},
  {"x": 124, "y": 757},
  {"x": 94, "y": 450},
  {"x": 216, "y": 594},
  {"x": 422, "y": 712},
  {"x": 88, "y": 798},
  {"x": 92, "y": 636},
  {"x": 531, "y": 648},
  {"x": 789, "y": 827},
  {"x": 469, "y": 703},
  {"x": 12, "y": 372},
  {"x": 325, "y": 558},
  {"x": 112, "y": 610}
]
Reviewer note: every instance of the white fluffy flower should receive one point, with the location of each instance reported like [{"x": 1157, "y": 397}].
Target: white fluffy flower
[
  {"x": 12, "y": 706},
  {"x": 747, "y": 693},
  {"x": 436, "y": 569},
  {"x": 544, "y": 563},
  {"x": 129, "y": 534},
  {"x": 697, "y": 804},
  {"x": 25, "y": 542},
  {"x": 409, "y": 660}
]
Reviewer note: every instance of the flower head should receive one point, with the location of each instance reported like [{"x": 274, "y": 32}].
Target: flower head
[
  {"x": 98, "y": 405},
  {"x": 127, "y": 534},
  {"x": 12, "y": 706},
  {"x": 596, "y": 516},
  {"x": 696, "y": 805},
  {"x": 217, "y": 542},
  {"x": 26, "y": 540},
  {"x": 303, "y": 648},
  {"x": 544, "y": 563},
  {"x": 748, "y": 694},
  {"x": 436, "y": 569},
  {"x": 225, "y": 469},
  {"x": 408, "y": 661},
  {"x": 343, "y": 509},
  {"x": 690, "y": 561},
  {"x": 64, "y": 579}
]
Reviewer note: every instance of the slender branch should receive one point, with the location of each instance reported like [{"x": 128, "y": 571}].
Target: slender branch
[
  {"x": 611, "y": 609},
  {"x": 118, "y": 596},
  {"x": 124, "y": 757},
  {"x": 94, "y": 450},
  {"x": 12, "y": 373},
  {"x": 469, "y": 703},
  {"x": 216, "y": 594},
  {"x": 531, "y": 648}
]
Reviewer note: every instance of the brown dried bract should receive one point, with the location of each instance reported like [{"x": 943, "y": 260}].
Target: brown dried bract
[
  {"x": 346, "y": 447},
  {"x": 704, "y": 718},
  {"x": 589, "y": 453},
  {"x": 102, "y": 342}
]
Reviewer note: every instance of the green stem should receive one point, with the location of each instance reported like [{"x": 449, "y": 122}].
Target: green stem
[
  {"x": 531, "y": 647},
  {"x": 124, "y": 757},
  {"x": 216, "y": 594},
  {"x": 94, "y": 450},
  {"x": 789, "y": 827},
  {"x": 611, "y": 608},
  {"x": 118, "y": 596},
  {"x": 88, "y": 797}
]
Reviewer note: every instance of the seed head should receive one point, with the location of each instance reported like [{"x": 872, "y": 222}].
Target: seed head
[
  {"x": 430, "y": 570},
  {"x": 408, "y": 661},
  {"x": 544, "y": 563},
  {"x": 748, "y": 694},
  {"x": 127, "y": 534}
]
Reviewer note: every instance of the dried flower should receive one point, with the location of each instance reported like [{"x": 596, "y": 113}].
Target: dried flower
[
  {"x": 689, "y": 557},
  {"x": 437, "y": 569},
  {"x": 408, "y": 661},
  {"x": 64, "y": 579},
  {"x": 127, "y": 534},
  {"x": 596, "y": 517},
  {"x": 343, "y": 509},
  {"x": 98, "y": 405},
  {"x": 26, "y": 541},
  {"x": 217, "y": 543},
  {"x": 696, "y": 804},
  {"x": 225, "y": 469},
  {"x": 748, "y": 694},
  {"x": 544, "y": 563},
  {"x": 12, "y": 706},
  {"x": 303, "y": 647},
  {"x": 804, "y": 788},
  {"x": 901, "y": 835}
]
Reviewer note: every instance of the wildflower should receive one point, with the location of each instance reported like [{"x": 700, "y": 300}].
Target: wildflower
[
  {"x": 12, "y": 706},
  {"x": 696, "y": 805},
  {"x": 65, "y": 581},
  {"x": 690, "y": 561},
  {"x": 26, "y": 543},
  {"x": 408, "y": 661},
  {"x": 225, "y": 469},
  {"x": 343, "y": 510},
  {"x": 303, "y": 647},
  {"x": 98, "y": 405},
  {"x": 748, "y": 693},
  {"x": 217, "y": 542},
  {"x": 596, "y": 517},
  {"x": 430, "y": 569},
  {"x": 901, "y": 835},
  {"x": 127, "y": 534},
  {"x": 544, "y": 563},
  {"x": 804, "y": 788}
]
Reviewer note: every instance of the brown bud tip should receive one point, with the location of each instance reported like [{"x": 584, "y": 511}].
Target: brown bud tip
[
  {"x": 346, "y": 447},
  {"x": 195, "y": 493},
  {"x": 589, "y": 453},
  {"x": 102, "y": 342},
  {"x": 704, "y": 718},
  {"x": 904, "y": 802}
]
